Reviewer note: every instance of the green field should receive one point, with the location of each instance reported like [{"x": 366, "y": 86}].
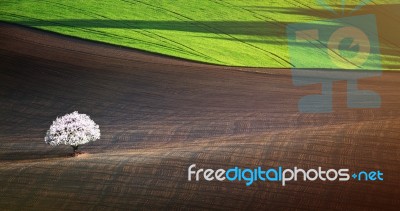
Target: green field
[{"x": 236, "y": 33}]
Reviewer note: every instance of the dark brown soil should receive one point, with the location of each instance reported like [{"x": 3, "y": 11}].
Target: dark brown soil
[{"x": 159, "y": 115}]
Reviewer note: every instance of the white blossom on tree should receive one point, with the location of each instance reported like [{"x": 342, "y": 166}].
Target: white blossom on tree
[{"x": 72, "y": 129}]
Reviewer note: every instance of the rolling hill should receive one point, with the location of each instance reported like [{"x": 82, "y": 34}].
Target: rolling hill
[
  {"x": 234, "y": 33},
  {"x": 159, "y": 115}
]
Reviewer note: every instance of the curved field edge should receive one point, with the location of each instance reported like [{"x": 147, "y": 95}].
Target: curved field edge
[
  {"x": 240, "y": 33},
  {"x": 158, "y": 116}
]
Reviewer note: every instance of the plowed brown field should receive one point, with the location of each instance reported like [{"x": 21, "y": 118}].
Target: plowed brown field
[{"x": 158, "y": 115}]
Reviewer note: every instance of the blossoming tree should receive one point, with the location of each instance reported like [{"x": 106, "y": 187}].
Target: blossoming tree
[{"x": 72, "y": 129}]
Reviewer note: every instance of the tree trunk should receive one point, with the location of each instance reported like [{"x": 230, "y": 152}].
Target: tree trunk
[{"x": 74, "y": 148}]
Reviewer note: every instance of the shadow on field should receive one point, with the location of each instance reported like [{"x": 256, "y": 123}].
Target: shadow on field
[
  {"x": 34, "y": 155},
  {"x": 255, "y": 28},
  {"x": 387, "y": 20}
]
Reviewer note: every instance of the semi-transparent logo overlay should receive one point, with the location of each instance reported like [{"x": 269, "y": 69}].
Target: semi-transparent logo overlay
[{"x": 342, "y": 49}]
